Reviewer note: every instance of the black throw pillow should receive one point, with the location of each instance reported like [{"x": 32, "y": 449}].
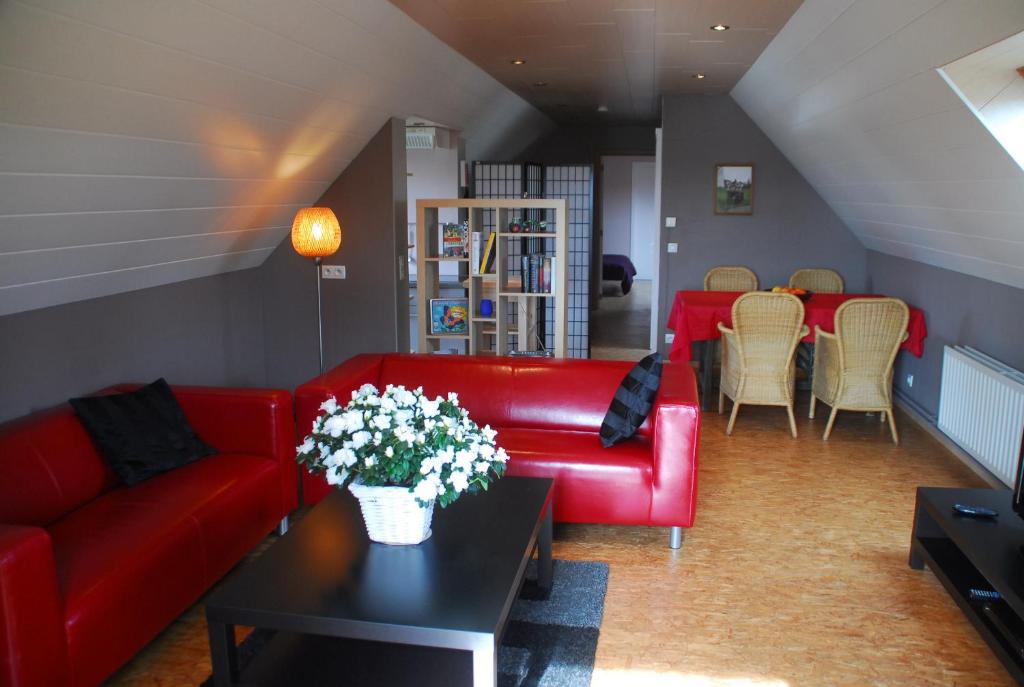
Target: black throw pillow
[
  {"x": 632, "y": 402},
  {"x": 141, "y": 433}
]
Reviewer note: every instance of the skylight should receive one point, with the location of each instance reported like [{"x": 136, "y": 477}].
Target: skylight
[{"x": 991, "y": 83}]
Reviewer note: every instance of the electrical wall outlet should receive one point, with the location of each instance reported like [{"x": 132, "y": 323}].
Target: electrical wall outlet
[
  {"x": 673, "y": 248},
  {"x": 910, "y": 381},
  {"x": 670, "y": 337},
  {"x": 670, "y": 222},
  {"x": 334, "y": 271}
]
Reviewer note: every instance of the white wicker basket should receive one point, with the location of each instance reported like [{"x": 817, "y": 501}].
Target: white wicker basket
[{"x": 392, "y": 515}]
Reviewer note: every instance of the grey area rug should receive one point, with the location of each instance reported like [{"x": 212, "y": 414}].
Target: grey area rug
[{"x": 548, "y": 642}]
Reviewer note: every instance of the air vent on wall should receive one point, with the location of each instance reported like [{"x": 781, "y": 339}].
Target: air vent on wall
[{"x": 420, "y": 137}]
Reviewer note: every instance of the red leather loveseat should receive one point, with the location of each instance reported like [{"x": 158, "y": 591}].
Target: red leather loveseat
[
  {"x": 547, "y": 414},
  {"x": 90, "y": 571}
]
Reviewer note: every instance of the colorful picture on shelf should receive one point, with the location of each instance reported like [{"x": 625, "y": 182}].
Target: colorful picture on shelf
[
  {"x": 453, "y": 240},
  {"x": 449, "y": 315}
]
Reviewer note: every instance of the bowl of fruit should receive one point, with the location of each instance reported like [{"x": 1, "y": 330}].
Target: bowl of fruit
[{"x": 802, "y": 294}]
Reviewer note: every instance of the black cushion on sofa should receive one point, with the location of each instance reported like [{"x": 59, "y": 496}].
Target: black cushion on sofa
[
  {"x": 632, "y": 402},
  {"x": 141, "y": 433}
]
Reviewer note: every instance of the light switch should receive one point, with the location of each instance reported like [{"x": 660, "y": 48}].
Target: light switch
[
  {"x": 670, "y": 337},
  {"x": 334, "y": 271},
  {"x": 673, "y": 248},
  {"x": 670, "y": 222}
]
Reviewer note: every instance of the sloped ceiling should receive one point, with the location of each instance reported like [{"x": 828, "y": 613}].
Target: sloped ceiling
[
  {"x": 149, "y": 141},
  {"x": 849, "y": 92}
]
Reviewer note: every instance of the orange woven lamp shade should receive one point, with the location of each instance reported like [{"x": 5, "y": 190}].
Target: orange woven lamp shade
[{"x": 316, "y": 232}]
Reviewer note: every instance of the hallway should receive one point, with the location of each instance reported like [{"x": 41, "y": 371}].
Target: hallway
[{"x": 621, "y": 326}]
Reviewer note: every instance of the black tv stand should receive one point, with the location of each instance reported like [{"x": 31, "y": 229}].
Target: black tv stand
[{"x": 969, "y": 553}]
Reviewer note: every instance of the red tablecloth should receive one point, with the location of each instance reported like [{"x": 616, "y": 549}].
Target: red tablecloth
[{"x": 695, "y": 316}]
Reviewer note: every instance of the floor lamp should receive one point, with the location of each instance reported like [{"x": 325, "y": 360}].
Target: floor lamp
[{"x": 316, "y": 234}]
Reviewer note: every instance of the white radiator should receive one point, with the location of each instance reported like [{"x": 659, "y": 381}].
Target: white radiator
[{"x": 981, "y": 408}]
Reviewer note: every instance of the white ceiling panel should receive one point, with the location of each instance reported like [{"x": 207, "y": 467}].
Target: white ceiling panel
[
  {"x": 849, "y": 91},
  {"x": 42, "y": 293},
  {"x": 23, "y": 267},
  {"x": 145, "y": 141},
  {"x": 51, "y": 231},
  {"x": 41, "y": 150}
]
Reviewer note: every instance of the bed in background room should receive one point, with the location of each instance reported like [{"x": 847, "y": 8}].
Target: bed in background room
[{"x": 618, "y": 268}]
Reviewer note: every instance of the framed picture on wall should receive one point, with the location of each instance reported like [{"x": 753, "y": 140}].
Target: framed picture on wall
[{"x": 734, "y": 188}]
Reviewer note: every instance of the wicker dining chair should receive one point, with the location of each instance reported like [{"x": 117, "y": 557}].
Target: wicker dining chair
[
  {"x": 818, "y": 280},
  {"x": 730, "y": 278},
  {"x": 758, "y": 361},
  {"x": 853, "y": 367}
]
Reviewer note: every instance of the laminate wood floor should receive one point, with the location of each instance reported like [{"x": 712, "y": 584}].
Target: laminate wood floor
[{"x": 794, "y": 575}]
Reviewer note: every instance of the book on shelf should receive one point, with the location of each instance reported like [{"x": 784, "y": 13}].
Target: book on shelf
[
  {"x": 453, "y": 240},
  {"x": 487, "y": 261},
  {"x": 475, "y": 247},
  {"x": 537, "y": 271}
]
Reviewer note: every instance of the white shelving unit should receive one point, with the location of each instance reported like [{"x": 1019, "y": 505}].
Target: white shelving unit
[{"x": 490, "y": 335}]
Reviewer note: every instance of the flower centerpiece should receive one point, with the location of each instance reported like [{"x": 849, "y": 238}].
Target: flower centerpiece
[{"x": 399, "y": 452}]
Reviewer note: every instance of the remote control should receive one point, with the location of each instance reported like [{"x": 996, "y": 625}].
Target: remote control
[
  {"x": 984, "y": 595},
  {"x": 975, "y": 511}
]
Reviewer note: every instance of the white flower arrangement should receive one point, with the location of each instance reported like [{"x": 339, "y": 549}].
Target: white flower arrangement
[{"x": 402, "y": 438}]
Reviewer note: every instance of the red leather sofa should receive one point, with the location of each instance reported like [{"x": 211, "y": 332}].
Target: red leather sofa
[
  {"x": 547, "y": 414},
  {"x": 90, "y": 571}
]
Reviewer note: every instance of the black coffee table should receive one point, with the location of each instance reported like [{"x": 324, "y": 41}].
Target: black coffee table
[{"x": 325, "y": 579}]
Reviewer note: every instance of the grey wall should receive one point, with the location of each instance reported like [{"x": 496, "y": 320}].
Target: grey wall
[
  {"x": 367, "y": 311},
  {"x": 504, "y": 125},
  {"x": 580, "y": 144},
  {"x": 201, "y": 331},
  {"x": 791, "y": 227},
  {"x": 959, "y": 309}
]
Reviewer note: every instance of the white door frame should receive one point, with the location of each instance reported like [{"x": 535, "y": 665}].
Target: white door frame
[{"x": 656, "y": 262}]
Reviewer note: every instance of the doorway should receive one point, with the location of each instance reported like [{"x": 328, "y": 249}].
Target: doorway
[
  {"x": 432, "y": 171},
  {"x": 621, "y": 325}
]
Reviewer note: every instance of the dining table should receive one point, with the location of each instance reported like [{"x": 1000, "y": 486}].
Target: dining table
[{"x": 695, "y": 317}]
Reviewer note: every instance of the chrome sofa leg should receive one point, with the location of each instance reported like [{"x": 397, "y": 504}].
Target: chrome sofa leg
[
  {"x": 675, "y": 537},
  {"x": 282, "y": 527}
]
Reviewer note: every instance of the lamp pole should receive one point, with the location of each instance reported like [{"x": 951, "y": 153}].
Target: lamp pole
[{"x": 319, "y": 312}]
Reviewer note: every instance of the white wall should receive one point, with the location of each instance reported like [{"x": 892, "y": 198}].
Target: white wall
[
  {"x": 616, "y": 196},
  {"x": 432, "y": 174},
  {"x": 616, "y": 202},
  {"x": 643, "y": 221},
  {"x": 849, "y": 91}
]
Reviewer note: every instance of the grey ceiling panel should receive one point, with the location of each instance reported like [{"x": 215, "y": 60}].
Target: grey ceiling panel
[{"x": 622, "y": 54}]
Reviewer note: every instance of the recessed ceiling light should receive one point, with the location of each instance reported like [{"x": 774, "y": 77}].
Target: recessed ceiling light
[
  {"x": 518, "y": 61},
  {"x": 698, "y": 75},
  {"x": 602, "y": 108},
  {"x": 719, "y": 27},
  {"x": 540, "y": 84}
]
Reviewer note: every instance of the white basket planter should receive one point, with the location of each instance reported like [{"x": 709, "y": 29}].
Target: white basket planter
[{"x": 392, "y": 515}]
